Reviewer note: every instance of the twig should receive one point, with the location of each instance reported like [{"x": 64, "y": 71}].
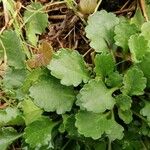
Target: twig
[
  {"x": 125, "y": 10},
  {"x": 100, "y": 1},
  {"x": 143, "y": 9}
]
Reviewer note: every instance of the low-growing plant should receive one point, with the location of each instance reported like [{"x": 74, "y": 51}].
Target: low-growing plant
[{"x": 67, "y": 103}]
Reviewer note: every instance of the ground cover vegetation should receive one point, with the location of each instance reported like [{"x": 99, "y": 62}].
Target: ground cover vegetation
[{"x": 74, "y": 75}]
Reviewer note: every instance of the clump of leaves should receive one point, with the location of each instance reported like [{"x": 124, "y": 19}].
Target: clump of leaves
[{"x": 65, "y": 103}]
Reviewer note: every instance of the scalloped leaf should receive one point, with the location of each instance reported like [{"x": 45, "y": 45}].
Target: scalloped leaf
[
  {"x": 35, "y": 21},
  {"x": 134, "y": 82},
  {"x": 39, "y": 132},
  {"x": 123, "y": 31},
  {"x": 100, "y": 30},
  {"x": 87, "y": 121},
  {"x": 69, "y": 66},
  {"x": 54, "y": 97},
  {"x": 96, "y": 97},
  {"x": 138, "y": 46}
]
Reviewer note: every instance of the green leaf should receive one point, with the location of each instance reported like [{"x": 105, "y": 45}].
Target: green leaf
[
  {"x": 104, "y": 64},
  {"x": 10, "y": 116},
  {"x": 39, "y": 133},
  {"x": 69, "y": 125},
  {"x": 114, "y": 130},
  {"x": 145, "y": 67},
  {"x": 114, "y": 80},
  {"x": 123, "y": 31},
  {"x": 31, "y": 78},
  {"x": 138, "y": 47},
  {"x": 123, "y": 102},
  {"x": 145, "y": 31},
  {"x": 96, "y": 97},
  {"x": 54, "y": 97},
  {"x": 138, "y": 19},
  {"x": 30, "y": 111},
  {"x": 126, "y": 116},
  {"x": 35, "y": 22},
  {"x": 69, "y": 66},
  {"x": 95, "y": 125},
  {"x": 100, "y": 30},
  {"x": 91, "y": 124},
  {"x": 134, "y": 82},
  {"x": 7, "y": 136},
  {"x": 146, "y": 111},
  {"x": 14, "y": 50},
  {"x": 13, "y": 78}
]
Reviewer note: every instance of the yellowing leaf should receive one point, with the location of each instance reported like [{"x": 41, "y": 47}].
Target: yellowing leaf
[{"x": 43, "y": 56}]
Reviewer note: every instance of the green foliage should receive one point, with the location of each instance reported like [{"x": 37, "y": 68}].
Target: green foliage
[
  {"x": 104, "y": 65},
  {"x": 69, "y": 66},
  {"x": 41, "y": 132},
  {"x": 123, "y": 31},
  {"x": 73, "y": 103},
  {"x": 134, "y": 82},
  {"x": 14, "y": 50},
  {"x": 145, "y": 67},
  {"x": 138, "y": 46},
  {"x": 87, "y": 120},
  {"x": 35, "y": 22},
  {"x": 145, "y": 111},
  {"x": 100, "y": 30},
  {"x": 96, "y": 97},
  {"x": 10, "y": 116},
  {"x": 54, "y": 97},
  {"x": 7, "y": 136},
  {"x": 30, "y": 111}
]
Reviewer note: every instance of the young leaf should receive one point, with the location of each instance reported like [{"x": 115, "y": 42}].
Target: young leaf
[
  {"x": 96, "y": 97},
  {"x": 104, "y": 65},
  {"x": 35, "y": 22},
  {"x": 100, "y": 30},
  {"x": 39, "y": 133},
  {"x": 145, "y": 67},
  {"x": 138, "y": 47},
  {"x": 69, "y": 66},
  {"x": 123, "y": 31},
  {"x": 54, "y": 97},
  {"x": 91, "y": 124},
  {"x": 12, "y": 45},
  {"x": 7, "y": 136},
  {"x": 30, "y": 111},
  {"x": 123, "y": 102},
  {"x": 134, "y": 82}
]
